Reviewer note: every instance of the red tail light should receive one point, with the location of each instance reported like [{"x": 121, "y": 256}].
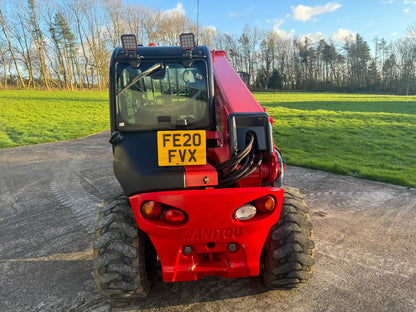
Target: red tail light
[
  {"x": 266, "y": 204},
  {"x": 174, "y": 216},
  {"x": 151, "y": 209}
]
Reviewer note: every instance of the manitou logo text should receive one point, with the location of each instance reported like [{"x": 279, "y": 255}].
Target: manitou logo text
[{"x": 212, "y": 234}]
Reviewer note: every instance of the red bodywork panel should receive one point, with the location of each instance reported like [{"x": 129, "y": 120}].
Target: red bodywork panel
[
  {"x": 205, "y": 175},
  {"x": 210, "y": 226},
  {"x": 231, "y": 94},
  {"x": 209, "y": 229}
]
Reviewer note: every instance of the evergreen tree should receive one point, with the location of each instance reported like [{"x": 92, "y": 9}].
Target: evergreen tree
[{"x": 275, "y": 81}]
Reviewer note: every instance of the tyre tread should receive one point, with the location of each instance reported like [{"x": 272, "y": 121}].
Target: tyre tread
[
  {"x": 117, "y": 264},
  {"x": 289, "y": 252}
]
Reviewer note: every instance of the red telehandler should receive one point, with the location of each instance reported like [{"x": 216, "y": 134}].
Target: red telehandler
[{"x": 202, "y": 178}]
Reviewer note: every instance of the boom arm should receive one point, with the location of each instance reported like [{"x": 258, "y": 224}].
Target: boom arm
[
  {"x": 244, "y": 125},
  {"x": 230, "y": 91}
]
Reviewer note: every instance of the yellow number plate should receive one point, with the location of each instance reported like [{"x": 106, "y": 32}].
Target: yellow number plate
[{"x": 181, "y": 148}]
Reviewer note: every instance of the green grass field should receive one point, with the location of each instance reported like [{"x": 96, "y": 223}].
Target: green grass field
[
  {"x": 366, "y": 136},
  {"x": 31, "y": 117}
]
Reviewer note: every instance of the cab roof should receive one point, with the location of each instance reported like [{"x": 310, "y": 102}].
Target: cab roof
[{"x": 163, "y": 52}]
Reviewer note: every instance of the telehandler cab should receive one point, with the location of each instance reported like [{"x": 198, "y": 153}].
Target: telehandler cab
[{"x": 202, "y": 178}]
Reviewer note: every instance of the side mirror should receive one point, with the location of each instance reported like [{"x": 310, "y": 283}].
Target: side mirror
[{"x": 116, "y": 138}]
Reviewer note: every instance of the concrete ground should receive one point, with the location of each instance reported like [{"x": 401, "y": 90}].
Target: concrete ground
[{"x": 365, "y": 235}]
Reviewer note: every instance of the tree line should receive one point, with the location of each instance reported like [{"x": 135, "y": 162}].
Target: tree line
[{"x": 67, "y": 44}]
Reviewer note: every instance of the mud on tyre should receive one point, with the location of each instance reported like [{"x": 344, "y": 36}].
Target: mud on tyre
[
  {"x": 288, "y": 254},
  {"x": 124, "y": 257}
]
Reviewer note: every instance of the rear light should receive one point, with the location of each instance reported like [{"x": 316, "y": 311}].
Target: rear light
[
  {"x": 266, "y": 204},
  {"x": 245, "y": 212},
  {"x": 151, "y": 209},
  {"x": 174, "y": 216}
]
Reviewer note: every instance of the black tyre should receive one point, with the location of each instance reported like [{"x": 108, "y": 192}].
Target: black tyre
[
  {"x": 288, "y": 254},
  {"x": 124, "y": 257}
]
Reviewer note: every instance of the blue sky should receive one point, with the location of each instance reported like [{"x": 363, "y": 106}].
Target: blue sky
[{"x": 388, "y": 19}]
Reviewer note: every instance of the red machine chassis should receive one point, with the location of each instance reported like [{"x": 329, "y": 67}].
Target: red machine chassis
[
  {"x": 201, "y": 246},
  {"x": 209, "y": 229}
]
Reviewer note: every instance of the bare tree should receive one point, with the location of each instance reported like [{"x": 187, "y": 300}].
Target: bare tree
[
  {"x": 248, "y": 43},
  {"x": 171, "y": 25},
  {"x": 94, "y": 36},
  {"x": 115, "y": 22},
  {"x": 67, "y": 44},
  {"x": 35, "y": 15},
  {"x": 210, "y": 37},
  {"x": 6, "y": 33},
  {"x": 4, "y": 60},
  {"x": 151, "y": 24},
  {"x": 136, "y": 18},
  {"x": 23, "y": 39},
  {"x": 231, "y": 46},
  {"x": 267, "y": 57},
  {"x": 406, "y": 53},
  {"x": 76, "y": 8}
]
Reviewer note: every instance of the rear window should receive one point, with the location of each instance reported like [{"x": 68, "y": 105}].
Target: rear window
[{"x": 168, "y": 95}]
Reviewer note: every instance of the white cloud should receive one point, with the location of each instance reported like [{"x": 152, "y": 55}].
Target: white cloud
[
  {"x": 283, "y": 33},
  {"x": 314, "y": 37},
  {"x": 277, "y": 24},
  {"x": 179, "y": 10},
  {"x": 275, "y": 21},
  {"x": 406, "y": 11},
  {"x": 305, "y": 13},
  {"x": 342, "y": 35},
  {"x": 387, "y": 2}
]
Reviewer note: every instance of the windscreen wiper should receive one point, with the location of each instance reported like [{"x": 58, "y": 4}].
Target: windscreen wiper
[{"x": 143, "y": 74}]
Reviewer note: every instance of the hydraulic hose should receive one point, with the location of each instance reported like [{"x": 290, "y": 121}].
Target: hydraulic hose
[
  {"x": 235, "y": 159},
  {"x": 244, "y": 173},
  {"x": 234, "y": 175},
  {"x": 239, "y": 166},
  {"x": 232, "y": 170}
]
